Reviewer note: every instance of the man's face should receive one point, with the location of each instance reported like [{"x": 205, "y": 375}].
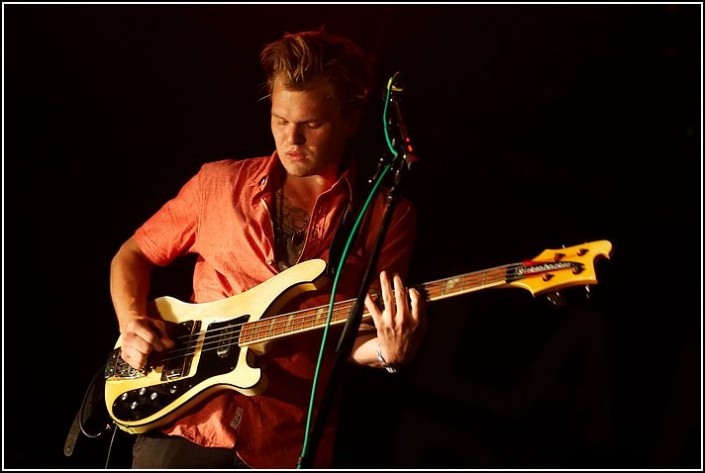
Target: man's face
[{"x": 309, "y": 130}]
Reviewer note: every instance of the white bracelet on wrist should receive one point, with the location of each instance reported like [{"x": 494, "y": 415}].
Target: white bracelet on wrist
[{"x": 384, "y": 363}]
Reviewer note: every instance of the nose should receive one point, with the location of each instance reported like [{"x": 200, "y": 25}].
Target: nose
[{"x": 295, "y": 134}]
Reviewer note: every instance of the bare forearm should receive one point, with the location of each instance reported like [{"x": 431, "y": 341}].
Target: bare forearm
[
  {"x": 364, "y": 351},
  {"x": 129, "y": 283}
]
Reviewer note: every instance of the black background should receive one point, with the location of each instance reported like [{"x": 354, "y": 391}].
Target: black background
[{"x": 537, "y": 126}]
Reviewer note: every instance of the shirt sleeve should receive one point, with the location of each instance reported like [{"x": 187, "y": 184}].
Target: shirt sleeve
[{"x": 171, "y": 231}]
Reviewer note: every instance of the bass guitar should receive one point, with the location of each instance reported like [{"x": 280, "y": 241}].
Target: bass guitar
[{"x": 217, "y": 342}]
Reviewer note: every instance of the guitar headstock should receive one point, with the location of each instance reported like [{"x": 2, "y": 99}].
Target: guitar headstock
[{"x": 556, "y": 269}]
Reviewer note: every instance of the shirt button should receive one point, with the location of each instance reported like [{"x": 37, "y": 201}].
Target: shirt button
[{"x": 270, "y": 262}]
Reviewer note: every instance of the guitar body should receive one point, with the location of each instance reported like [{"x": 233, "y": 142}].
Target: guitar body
[{"x": 207, "y": 358}]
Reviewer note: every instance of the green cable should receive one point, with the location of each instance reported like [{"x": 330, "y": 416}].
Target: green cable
[{"x": 337, "y": 275}]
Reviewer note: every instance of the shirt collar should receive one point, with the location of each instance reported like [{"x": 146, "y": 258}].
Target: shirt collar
[{"x": 272, "y": 172}]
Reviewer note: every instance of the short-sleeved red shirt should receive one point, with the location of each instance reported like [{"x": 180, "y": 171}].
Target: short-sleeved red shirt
[{"x": 222, "y": 214}]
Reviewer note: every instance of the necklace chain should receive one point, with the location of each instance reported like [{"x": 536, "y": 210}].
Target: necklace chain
[{"x": 289, "y": 240}]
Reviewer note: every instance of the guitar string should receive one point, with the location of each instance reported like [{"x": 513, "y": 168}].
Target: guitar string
[
  {"x": 306, "y": 320},
  {"x": 274, "y": 324}
]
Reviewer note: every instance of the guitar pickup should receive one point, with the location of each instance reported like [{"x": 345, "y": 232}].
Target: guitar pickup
[
  {"x": 226, "y": 340},
  {"x": 178, "y": 360}
]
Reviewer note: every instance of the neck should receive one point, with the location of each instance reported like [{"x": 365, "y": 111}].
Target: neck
[{"x": 303, "y": 191}]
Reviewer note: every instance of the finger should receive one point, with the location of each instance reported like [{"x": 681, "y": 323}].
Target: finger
[
  {"x": 415, "y": 298},
  {"x": 417, "y": 307},
  {"x": 400, "y": 298},
  {"x": 163, "y": 336},
  {"x": 150, "y": 334},
  {"x": 387, "y": 293},
  {"x": 372, "y": 309},
  {"x": 136, "y": 343},
  {"x": 133, "y": 357},
  {"x": 167, "y": 342}
]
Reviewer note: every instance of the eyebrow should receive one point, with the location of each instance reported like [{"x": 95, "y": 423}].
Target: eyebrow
[{"x": 312, "y": 119}]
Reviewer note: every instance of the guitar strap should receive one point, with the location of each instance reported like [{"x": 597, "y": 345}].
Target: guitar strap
[{"x": 87, "y": 416}]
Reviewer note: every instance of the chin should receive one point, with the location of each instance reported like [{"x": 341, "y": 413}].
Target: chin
[{"x": 298, "y": 169}]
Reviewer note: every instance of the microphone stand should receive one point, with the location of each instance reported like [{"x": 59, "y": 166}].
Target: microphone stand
[{"x": 352, "y": 324}]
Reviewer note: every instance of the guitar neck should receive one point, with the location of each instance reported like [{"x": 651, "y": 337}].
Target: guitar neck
[
  {"x": 315, "y": 318},
  {"x": 470, "y": 282}
]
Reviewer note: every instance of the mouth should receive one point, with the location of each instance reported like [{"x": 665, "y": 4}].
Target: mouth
[{"x": 296, "y": 155}]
